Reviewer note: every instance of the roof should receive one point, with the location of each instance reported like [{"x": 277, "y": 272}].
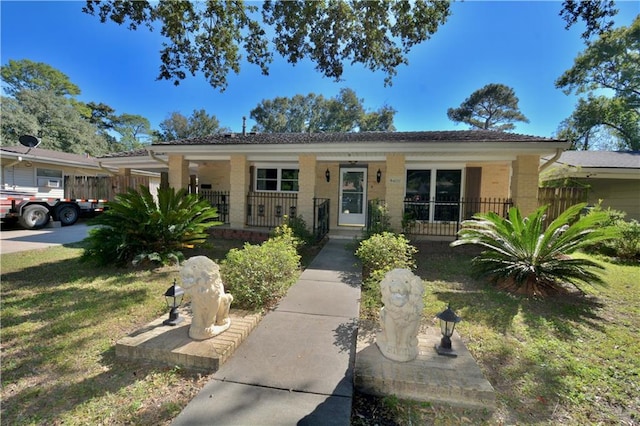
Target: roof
[
  {"x": 355, "y": 137},
  {"x": 601, "y": 159},
  {"x": 235, "y": 142},
  {"x": 47, "y": 155}
]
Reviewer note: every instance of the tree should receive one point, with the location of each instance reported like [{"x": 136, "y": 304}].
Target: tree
[
  {"x": 315, "y": 113},
  {"x": 133, "y": 129},
  {"x": 596, "y": 15},
  {"x": 493, "y": 107},
  {"x": 209, "y": 37},
  {"x": 611, "y": 62},
  {"x": 200, "y": 124},
  {"x": 53, "y": 119},
  {"x": 28, "y": 75}
]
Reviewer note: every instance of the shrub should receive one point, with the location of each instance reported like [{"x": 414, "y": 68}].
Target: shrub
[
  {"x": 136, "y": 227},
  {"x": 384, "y": 252},
  {"x": 627, "y": 246},
  {"x": 379, "y": 219},
  {"x": 297, "y": 228},
  {"x": 523, "y": 257},
  {"x": 258, "y": 275}
]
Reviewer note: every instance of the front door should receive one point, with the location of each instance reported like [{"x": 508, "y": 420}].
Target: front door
[{"x": 353, "y": 196}]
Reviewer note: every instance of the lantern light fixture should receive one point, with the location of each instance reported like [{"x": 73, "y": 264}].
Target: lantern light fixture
[
  {"x": 173, "y": 297},
  {"x": 378, "y": 176},
  {"x": 327, "y": 175},
  {"x": 448, "y": 320}
]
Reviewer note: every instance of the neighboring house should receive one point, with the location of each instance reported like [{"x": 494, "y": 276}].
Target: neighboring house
[
  {"x": 613, "y": 177},
  {"x": 43, "y": 173},
  {"x": 429, "y": 181}
]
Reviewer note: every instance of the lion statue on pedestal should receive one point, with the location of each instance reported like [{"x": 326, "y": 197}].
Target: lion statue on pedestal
[
  {"x": 209, "y": 303},
  {"x": 400, "y": 317}
]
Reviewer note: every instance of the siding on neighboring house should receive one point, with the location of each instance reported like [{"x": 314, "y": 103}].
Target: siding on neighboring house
[{"x": 619, "y": 194}]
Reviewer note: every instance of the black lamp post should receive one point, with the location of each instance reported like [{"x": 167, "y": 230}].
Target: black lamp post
[
  {"x": 448, "y": 320},
  {"x": 173, "y": 296}
]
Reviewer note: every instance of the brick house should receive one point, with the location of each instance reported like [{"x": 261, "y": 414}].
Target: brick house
[{"x": 429, "y": 181}]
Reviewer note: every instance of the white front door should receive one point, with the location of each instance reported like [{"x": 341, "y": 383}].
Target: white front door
[{"x": 353, "y": 196}]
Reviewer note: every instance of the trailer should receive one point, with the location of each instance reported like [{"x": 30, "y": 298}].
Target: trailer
[{"x": 35, "y": 213}]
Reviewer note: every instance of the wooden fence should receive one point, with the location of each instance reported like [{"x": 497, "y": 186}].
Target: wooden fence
[
  {"x": 560, "y": 199},
  {"x": 100, "y": 187}
]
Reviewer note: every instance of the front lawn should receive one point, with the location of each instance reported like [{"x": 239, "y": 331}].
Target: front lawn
[
  {"x": 571, "y": 360},
  {"x": 563, "y": 360}
]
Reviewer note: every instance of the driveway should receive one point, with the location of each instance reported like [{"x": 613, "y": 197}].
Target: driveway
[{"x": 17, "y": 239}]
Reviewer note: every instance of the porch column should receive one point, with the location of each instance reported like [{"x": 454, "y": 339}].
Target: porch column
[
  {"x": 306, "y": 187},
  {"x": 394, "y": 193},
  {"x": 239, "y": 184},
  {"x": 178, "y": 172},
  {"x": 524, "y": 183}
]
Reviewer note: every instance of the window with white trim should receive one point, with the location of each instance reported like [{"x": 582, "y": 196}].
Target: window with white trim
[
  {"x": 433, "y": 194},
  {"x": 277, "y": 179},
  {"x": 51, "y": 178}
]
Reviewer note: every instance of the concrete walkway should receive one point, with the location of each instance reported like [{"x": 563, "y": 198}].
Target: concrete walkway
[{"x": 296, "y": 367}]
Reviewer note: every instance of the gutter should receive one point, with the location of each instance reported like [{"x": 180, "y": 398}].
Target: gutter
[
  {"x": 551, "y": 160},
  {"x": 103, "y": 168},
  {"x": 159, "y": 160}
]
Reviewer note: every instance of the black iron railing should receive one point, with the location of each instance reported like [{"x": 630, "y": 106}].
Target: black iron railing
[
  {"x": 220, "y": 200},
  {"x": 267, "y": 209},
  {"x": 320, "y": 218},
  {"x": 442, "y": 217}
]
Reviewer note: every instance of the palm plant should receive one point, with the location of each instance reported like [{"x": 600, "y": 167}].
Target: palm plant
[
  {"x": 524, "y": 257},
  {"x": 137, "y": 227}
]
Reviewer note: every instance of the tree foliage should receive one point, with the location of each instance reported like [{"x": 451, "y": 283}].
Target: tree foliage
[
  {"x": 28, "y": 75},
  {"x": 523, "y": 256},
  {"x": 134, "y": 130},
  {"x": 136, "y": 227},
  {"x": 611, "y": 62},
  {"x": 53, "y": 119},
  {"x": 315, "y": 113},
  {"x": 199, "y": 124},
  {"x": 493, "y": 107},
  {"x": 596, "y": 14},
  {"x": 42, "y": 102},
  {"x": 210, "y": 37}
]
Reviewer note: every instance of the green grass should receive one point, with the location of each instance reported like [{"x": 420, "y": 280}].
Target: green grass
[
  {"x": 569, "y": 360},
  {"x": 60, "y": 321},
  {"x": 563, "y": 360}
]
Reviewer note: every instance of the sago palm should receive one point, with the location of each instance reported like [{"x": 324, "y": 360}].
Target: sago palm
[
  {"x": 524, "y": 257},
  {"x": 136, "y": 227}
]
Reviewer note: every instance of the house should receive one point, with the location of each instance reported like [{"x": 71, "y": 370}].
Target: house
[
  {"x": 610, "y": 176},
  {"x": 429, "y": 181},
  {"x": 43, "y": 173}
]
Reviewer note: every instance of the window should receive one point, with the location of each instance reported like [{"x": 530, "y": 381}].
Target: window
[
  {"x": 433, "y": 195},
  {"x": 276, "y": 179},
  {"x": 50, "y": 178}
]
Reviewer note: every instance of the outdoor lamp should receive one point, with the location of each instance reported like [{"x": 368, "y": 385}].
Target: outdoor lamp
[
  {"x": 327, "y": 175},
  {"x": 448, "y": 320},
  {"x": 173, "y": 296},
  {"x": 378, "y": 176}
]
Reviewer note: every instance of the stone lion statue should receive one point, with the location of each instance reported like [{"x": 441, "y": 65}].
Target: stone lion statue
[
  {"x": 400, "y": 317},
  {"x": 209, "y": 303}
]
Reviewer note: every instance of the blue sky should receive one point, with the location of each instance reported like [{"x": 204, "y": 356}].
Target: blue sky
[{"x": 521, "y": 44}]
